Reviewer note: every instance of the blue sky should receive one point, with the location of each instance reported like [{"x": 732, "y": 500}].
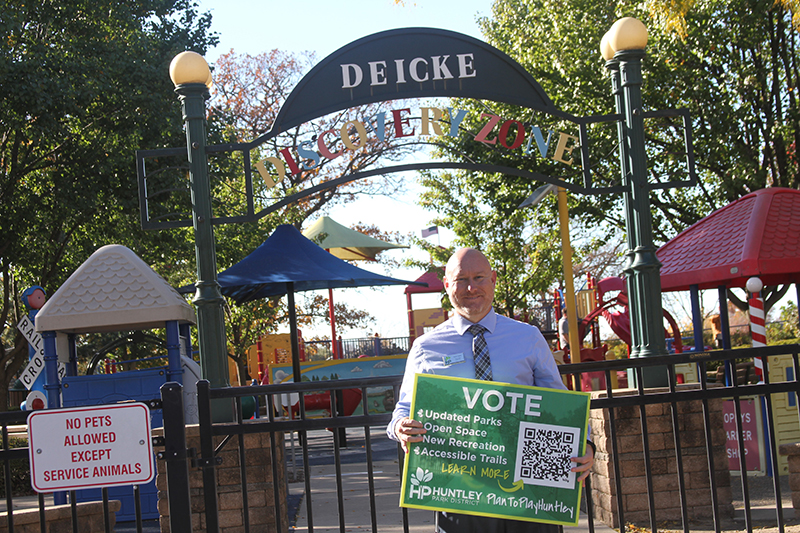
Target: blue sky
[{"x": 252, "y": 27}]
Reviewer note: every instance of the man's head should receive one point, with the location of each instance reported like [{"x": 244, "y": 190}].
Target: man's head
[{"x": 469, "y": 281}]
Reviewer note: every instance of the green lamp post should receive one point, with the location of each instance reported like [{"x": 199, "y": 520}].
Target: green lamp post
[
  {"x": 192, "y": 78},
  {"x": 623, "y": 49}
]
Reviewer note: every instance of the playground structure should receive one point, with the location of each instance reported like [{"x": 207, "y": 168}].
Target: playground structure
[
  {"x": 607, "y": 299},
  {"x": 114, "y": 290}
]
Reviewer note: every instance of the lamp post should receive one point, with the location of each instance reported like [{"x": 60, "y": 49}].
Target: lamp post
[
  {"x": 192, "y": 78},
  {"x": 623, "y": 49}
]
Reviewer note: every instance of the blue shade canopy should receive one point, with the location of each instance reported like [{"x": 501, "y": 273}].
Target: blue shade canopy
[{"x": 288, "y": 257}]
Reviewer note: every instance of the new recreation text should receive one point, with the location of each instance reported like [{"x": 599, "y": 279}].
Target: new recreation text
[{"x": 510, "y": 134}]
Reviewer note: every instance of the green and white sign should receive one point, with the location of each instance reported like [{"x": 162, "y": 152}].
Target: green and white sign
[{"x": 496, "y": 449}]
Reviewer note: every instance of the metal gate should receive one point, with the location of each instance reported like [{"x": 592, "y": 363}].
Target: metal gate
[{"x": 317, "y": 455}]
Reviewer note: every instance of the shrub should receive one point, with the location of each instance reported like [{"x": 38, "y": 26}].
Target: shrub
[{"x": 20, "y": 472}]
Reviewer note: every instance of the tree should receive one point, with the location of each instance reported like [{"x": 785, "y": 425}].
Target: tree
[
  {"x": 733, "y": 64},
  {"x": 82, "y": 85},
  {"x": 248, "y": 93}
]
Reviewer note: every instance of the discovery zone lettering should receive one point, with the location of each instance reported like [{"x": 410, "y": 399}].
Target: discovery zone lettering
[{"x": 494, "y": 130}]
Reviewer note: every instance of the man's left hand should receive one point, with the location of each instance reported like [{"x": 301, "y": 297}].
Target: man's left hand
[{"x": 584, "y": 463}]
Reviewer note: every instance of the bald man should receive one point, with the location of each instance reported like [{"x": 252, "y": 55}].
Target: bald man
[{"x": 518, "y": 354}]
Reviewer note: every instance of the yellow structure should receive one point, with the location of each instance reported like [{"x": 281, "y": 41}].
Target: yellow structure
[
  {"x": 784, "y": 408},
  {"x": 426, "y": 319},
  {"x": 273, "y": 349}
]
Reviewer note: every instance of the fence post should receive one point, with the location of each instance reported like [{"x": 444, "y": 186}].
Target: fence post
[
  {"x": 180, "y": 507},
  {"x": 207, "y": 459}
]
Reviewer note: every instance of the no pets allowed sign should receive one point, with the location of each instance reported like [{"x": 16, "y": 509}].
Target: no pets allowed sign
[{"x": 495, "y": 449}]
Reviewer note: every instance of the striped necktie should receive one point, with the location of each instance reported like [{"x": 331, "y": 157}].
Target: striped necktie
[{"x": 483, "y": 364}]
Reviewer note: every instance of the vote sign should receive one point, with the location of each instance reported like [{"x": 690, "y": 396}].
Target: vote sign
[
  {"x": 87, "y": 447},
  {"x": 496, "y": 449}
]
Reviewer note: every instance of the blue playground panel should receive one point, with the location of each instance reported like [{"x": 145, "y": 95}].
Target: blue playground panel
[{"x": 137, "y": 385}]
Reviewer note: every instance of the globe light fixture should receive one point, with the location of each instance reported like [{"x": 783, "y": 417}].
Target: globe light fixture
[
  {"x": 627, "y": 34},
  {"x": 605, "y": 48},
  {"x": 189, "y": 67},
  {"x": 754, "y": 285}
]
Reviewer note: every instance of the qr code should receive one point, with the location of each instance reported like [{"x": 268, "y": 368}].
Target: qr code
[{"x": 543, "y": 455}]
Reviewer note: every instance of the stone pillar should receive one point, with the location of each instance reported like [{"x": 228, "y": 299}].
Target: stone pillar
[
  {"x": 662, "y": 461},
  {"x": 792, "y": 453},
  {"x": 260, "y": 489}
]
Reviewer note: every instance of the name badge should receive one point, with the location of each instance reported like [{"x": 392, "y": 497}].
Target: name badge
[{"x": 453, "y": 359}]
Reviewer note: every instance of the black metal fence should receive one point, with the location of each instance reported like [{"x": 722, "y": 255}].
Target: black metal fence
[
  {"x": 646, "y": 408},
  {"x": 673, "y": 431},
  {"x": 364, "y": 347}
]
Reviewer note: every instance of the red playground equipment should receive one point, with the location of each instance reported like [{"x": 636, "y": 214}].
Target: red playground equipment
[{"x": 607, "y": 298}]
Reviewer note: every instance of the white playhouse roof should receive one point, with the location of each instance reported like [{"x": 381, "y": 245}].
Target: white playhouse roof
[{"x": 113, "y": 290}]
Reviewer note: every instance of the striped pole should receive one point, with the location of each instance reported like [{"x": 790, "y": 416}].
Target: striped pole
[{"x": 758, "y": 330}]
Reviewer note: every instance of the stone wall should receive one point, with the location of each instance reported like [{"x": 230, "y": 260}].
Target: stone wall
[
  {"x": 792, "y": 452},
  {"x": 663, "y": 463},
  {"x": 260, "y": 490},
  {"x": 59, "y": 518}
]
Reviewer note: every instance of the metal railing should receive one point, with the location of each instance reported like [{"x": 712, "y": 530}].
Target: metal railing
[
  {"x": 22, "y": 512},
  {"x": 363, "y": 347},
  {"x": 657, "y": 425},
  {"x": 614, "y": 411}
]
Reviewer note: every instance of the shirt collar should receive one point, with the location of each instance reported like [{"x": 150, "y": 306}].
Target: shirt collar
[{"x": 462, "y": 324}]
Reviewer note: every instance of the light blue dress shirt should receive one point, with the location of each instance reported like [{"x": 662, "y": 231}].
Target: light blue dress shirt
[{"x": 518, "y": 351}]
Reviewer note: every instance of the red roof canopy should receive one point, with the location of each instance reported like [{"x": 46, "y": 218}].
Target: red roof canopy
[
  {"x": 757, "y": 235},
  {"x": 433, "y": 281}
]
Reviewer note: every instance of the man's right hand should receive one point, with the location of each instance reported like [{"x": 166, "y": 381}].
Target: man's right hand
[{"x": 408, "y": 430}]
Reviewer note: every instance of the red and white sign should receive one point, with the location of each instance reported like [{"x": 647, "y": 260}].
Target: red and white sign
[
  {"x": 87, "y": 447},
  {"x": 750, "y": 434}
]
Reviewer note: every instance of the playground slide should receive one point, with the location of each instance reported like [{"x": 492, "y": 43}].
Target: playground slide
[{"x": 620, "y": 323}]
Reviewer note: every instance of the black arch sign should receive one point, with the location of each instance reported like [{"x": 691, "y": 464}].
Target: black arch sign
[
  {"x": 410, "y": 63},
  {"x": 401, "y": 64}
]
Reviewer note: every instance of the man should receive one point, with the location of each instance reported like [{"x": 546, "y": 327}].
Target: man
[{"x": 517, "y": 352}]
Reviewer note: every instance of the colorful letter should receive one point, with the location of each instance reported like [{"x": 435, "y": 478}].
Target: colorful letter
[
  {"x": 265, "y": 175},
  {"x": 434, "y": 122},
  {"x": 399, "y": 122},
  {"x": 543, "y": 145},
  {"x": 380, "y": 128},
  {"x": 305, "y": 152},
  {"x": 487, "y": 129},
  {"x": 504, "y": 134},
  {"x": 455, "y": 119},
  {"x": 362, "y": 134},
  {"x": 562, "y": 150},
  {"x": 287, "y": 156},
  {"x": 324, "y": 149}
]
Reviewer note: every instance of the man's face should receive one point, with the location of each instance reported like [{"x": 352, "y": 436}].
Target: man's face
[{"x": 469, "y": 282}]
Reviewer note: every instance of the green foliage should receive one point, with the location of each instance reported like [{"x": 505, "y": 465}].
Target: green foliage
[
  {"x": 733, "y": 64},
  {"x": 787, "y": 327},
  {"x": 20, "y": 472},
  {"x": 82, "y": 86}
]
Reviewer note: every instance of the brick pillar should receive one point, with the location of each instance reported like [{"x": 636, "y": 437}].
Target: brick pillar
[
  {"x": 662, "y": 462},
  {"x": 260, "y": 490},
  {"x": 792, "y": 453}
]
